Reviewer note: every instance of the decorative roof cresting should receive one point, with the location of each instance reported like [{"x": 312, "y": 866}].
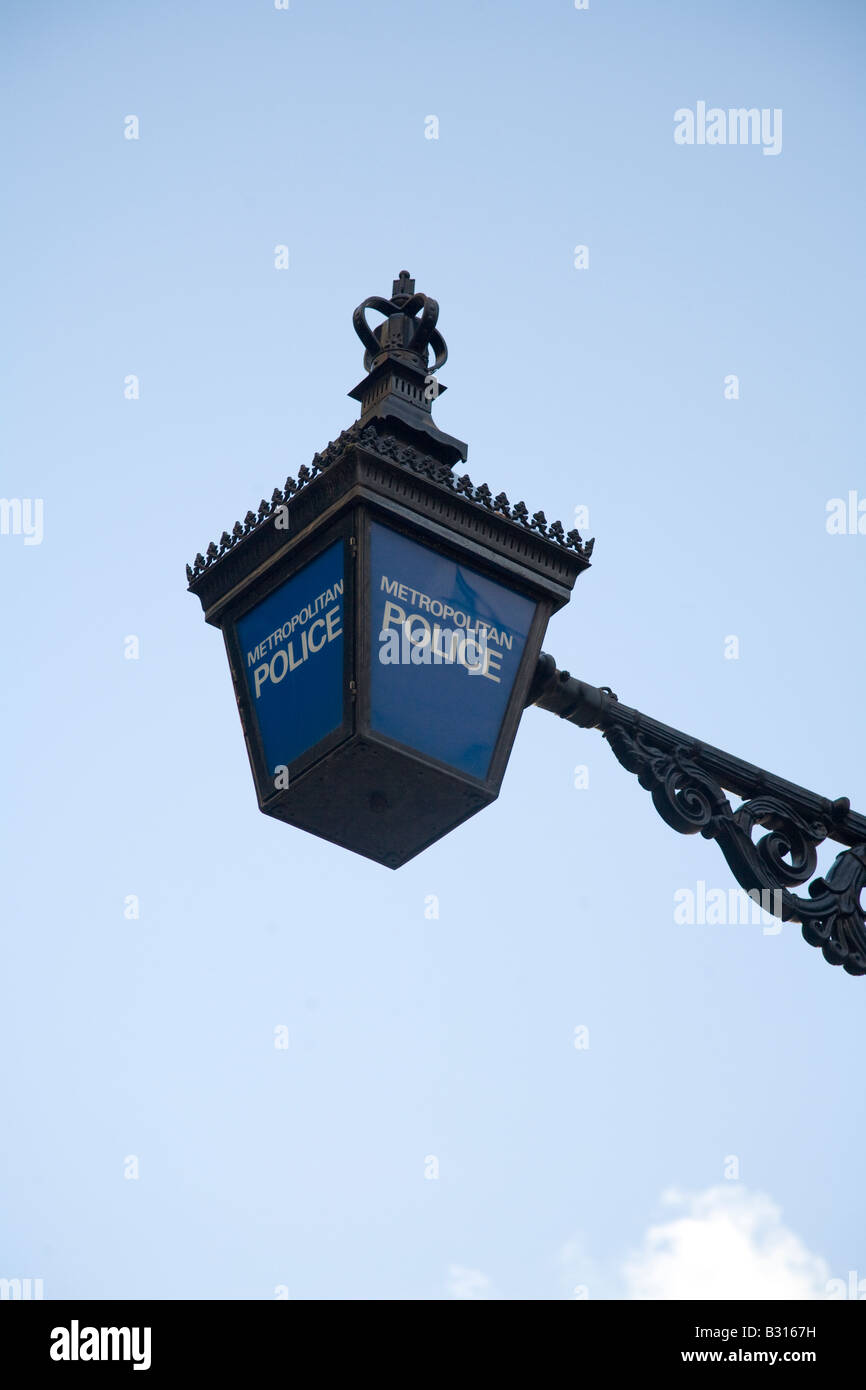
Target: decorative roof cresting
[{"x": 396, "y": 423}]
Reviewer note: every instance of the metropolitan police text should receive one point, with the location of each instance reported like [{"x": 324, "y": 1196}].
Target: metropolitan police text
[
  {"x": 422, "y": 643},
  {"x": 294, "y": 648}
]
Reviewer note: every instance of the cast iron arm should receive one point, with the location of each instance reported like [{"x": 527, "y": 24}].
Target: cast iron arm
[{"x": 685, "y": 778}]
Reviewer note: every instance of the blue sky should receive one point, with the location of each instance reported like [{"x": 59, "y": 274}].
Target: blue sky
[{"x": 304, "y": 1169}]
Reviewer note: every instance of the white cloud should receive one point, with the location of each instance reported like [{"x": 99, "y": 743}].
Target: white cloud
[
  {"x": 725, "y": 1242},
  {"x": 467, "y": 1283}
]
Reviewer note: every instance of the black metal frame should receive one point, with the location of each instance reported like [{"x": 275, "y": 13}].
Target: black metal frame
[{"x": 686, "y": 778}]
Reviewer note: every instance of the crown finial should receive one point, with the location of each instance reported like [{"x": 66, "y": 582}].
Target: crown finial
[
  {"x": 400, "y": 383},
  {"x": 403, "y": 337}
]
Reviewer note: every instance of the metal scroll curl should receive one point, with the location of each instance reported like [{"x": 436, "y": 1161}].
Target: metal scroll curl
[{"x": 690, "y": 800}]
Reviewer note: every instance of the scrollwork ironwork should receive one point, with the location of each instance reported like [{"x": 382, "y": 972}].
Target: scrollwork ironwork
[
  {"x": 687, "y": 780},
  {"x": 690, "y": 800}
]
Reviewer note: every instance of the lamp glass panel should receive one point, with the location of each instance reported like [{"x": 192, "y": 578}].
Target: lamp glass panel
[
  {"x": 292, "y": 653},
  {"x": 446, "y": 645}
]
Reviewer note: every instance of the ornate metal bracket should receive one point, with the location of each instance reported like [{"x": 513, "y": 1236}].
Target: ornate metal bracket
[{"x": 686, "y": 777}]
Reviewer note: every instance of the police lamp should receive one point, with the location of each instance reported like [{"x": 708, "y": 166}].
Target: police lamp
[{"x": 382, "y": 615}]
